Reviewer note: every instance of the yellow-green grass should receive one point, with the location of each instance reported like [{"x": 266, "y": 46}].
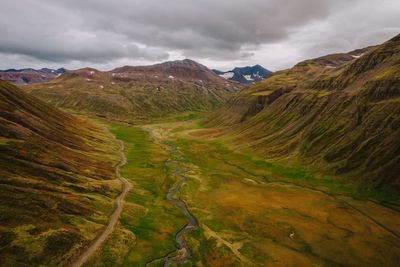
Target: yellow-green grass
[
  {"x": 4, "y": 141},
  {"x": 253, "y": 212},
  {"x": 254, "y": 166},
  {"x": 182, "y": 116},
  {"x": 149, "y": 222}
]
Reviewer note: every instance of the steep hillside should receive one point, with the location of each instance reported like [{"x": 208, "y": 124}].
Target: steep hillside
[
  {"x": 29, "y": 76},
  {"x": 339, "y": 114},
  {"x": 245, "y": 75},
  {"x": 56, "y": 181},
  {"x": 135, "y": 93}
]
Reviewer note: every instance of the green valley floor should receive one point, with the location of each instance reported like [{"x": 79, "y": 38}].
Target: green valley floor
[{"x": 249, "y": 212}]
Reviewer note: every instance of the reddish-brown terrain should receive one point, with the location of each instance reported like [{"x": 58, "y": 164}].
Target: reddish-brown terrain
[
  {"x": 57, "y": 183},
  {"x": 29, "y": 76}
]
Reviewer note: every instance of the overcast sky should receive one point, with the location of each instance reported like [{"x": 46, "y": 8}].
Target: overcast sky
[{"x": 218, "y": 33}]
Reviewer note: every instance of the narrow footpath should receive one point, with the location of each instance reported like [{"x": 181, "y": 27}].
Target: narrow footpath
[{"x": 98, "y": 242}]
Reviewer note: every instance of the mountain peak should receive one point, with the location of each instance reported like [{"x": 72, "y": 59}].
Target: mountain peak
[
  {"x": 246, "y": 75},
  {"x": 186, "y": 69},
  {"x": 186, "y": 63}
]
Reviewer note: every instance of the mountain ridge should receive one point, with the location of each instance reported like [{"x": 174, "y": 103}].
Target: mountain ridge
[
  {"x": 339, "y": 112},
  {"x": 134, "y": 93},
  {"x": 56, "y": 175},
  {"x": 30, "y": 76}
]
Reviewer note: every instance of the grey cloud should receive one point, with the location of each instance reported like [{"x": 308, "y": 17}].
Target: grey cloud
[
  {"x": 103, "y": 32},
  {"x": 187, "y": 25}
]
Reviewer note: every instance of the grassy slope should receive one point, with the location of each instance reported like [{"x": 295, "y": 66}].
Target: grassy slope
[
  {"x": 336, "y": 114},
  {"x": 135, "y": 95},
  {"x": 56, "y": 180}
]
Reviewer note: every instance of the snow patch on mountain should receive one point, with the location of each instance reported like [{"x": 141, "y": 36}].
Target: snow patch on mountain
[
  {"x": 246, "y": 75},
  {"x": 227, "y": 75}
]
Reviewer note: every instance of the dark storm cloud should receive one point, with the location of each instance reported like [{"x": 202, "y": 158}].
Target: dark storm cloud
[
  {"x": 188, "y": 25},
  {"x": 107, "y": 33}
]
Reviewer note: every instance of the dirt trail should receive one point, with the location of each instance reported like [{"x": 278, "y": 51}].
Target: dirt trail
[
  {"x": 234, "y": 247},
  {"x": 89, "y": 251}
]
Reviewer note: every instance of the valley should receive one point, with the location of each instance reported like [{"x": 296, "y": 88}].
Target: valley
[
  {"x": 249, "y": 212},
  {"x": 172, "y": 164}
]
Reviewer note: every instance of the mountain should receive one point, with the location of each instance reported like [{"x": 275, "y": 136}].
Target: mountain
[
  {"x": 29, "y": 76},
  {"x": 245, "y": 75},
  {"x": 338, "y": 113},
  {"x": 138, "y": 92},
  {"x": 56, "y": 188}
]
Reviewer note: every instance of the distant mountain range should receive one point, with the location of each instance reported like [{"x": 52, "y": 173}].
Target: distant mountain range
[
  {"x": 245, "y": 75},
  {"x": 29, "y": 76}
]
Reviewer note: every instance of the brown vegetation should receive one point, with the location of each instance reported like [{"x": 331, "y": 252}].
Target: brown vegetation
[{"x": 53, "y": 169}]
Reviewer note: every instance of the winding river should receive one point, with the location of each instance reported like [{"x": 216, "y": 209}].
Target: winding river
[{"x": 183, "y": 252}]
